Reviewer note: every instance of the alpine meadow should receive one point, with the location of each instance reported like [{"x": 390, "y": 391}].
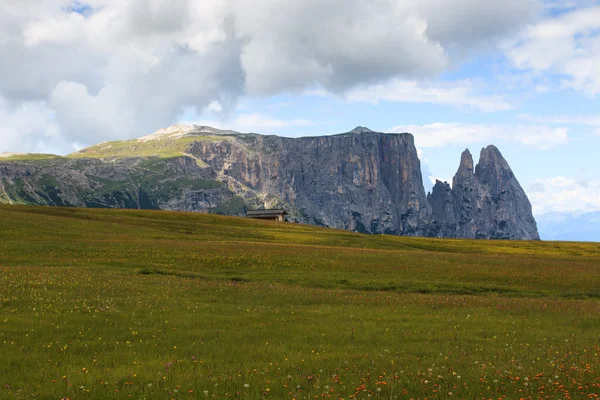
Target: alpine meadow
[
  {"x": 120, "y": 304},
  {"x": 299, "y": 200}
]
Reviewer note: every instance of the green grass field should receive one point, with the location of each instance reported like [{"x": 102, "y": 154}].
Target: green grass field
[{"x": 117, "y": 304}]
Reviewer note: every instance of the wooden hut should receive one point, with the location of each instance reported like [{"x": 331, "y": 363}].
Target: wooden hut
[{"x": 269, "y": 215}]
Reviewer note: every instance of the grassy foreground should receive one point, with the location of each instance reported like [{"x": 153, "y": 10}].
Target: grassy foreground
[{"x": 155, "y": 305}]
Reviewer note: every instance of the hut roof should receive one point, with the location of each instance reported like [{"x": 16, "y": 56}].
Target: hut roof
[{"x": 266, "y": 213}]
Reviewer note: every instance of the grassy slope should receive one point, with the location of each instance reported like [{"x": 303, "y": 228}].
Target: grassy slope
[
  {"x": 155, "y": 151},
  {"x": 30, "y": 157},
  {"x": 155, "y": 304},
  {"x": 164, "y": 148}
]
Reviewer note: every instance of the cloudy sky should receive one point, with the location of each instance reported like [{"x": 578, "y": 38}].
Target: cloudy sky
[{"x": 522, "y": 74}]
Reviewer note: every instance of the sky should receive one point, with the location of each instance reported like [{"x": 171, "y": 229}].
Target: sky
[{"x": 521, "y": 74}]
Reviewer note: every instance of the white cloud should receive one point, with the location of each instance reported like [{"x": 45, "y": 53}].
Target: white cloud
[
  {"x": 562, "y": 194},
  {"x": 591, "y": 120},
  {"x": 568, "y": 44},
  {"x": 445, "y": 134},
  {"x": 128, "y": 67},
  {"x": 29, "y": 127},
  {"x": 461, "y": 94},
  {"x": 254, "y": 122},
  {"x": 428, "y": 180},
  {"x": 215, "y": 107}
]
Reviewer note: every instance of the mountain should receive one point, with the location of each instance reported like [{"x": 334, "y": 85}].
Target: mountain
[
  {"x": 485, "y": 202},
  {"x": 361, "y": 180},
  {"x": 581, "y": 227}
]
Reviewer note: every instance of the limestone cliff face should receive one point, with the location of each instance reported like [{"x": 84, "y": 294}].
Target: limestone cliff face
[
  {"x": 362, "y": 181},
  {"x": 485, "y": 202}
]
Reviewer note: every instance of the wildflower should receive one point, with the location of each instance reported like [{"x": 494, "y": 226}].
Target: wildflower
[{"x": 246, "y": 385}]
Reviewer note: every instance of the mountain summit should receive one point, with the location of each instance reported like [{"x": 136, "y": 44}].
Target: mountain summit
[
  {"x": 361, "y": 129},
  {"x": 485, "y": 202},
  {"x": 362, "y": 181}
]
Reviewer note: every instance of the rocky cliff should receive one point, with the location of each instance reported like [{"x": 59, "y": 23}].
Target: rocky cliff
[
  {"x": 485, "y": 202},
  {"x": 362, "y": 180}
]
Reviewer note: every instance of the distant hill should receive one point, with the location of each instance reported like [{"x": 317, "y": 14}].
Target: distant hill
[
  {"x": 360, "y": 181},
  {"x": 572, "y": 227}
]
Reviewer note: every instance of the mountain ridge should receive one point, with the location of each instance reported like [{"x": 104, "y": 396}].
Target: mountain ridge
[{"x": 359, "y": 180}]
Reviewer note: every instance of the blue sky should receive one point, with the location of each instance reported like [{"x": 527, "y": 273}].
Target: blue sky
[{"x": 521, "y": 74}]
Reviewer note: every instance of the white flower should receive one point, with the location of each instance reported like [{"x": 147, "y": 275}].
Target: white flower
[{"x": 246, "y": 385}]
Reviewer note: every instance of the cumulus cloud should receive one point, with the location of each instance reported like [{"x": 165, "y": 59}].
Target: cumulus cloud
[
  {"x": 29, "y": 126},
  {"x": 461, "y": 94},
  {"x": 562, "y": 194},
  {"x": 121, "y": 68},
  {"x": 255, "y": 122},
  {"x": 568, "y": 45},
  {"x": 445, "y": 134}
]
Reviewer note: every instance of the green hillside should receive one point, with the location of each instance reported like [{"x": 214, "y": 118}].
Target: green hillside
[
  {"x": 149, "y": 304},
  {"x": 164, "y": 148}
]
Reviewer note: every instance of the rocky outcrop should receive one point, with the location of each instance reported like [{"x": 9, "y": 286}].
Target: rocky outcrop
[
  {"x": 143, "y": 183},
  {"x": 361, "y": 180},
  {"x": 485, "y": 202}
]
